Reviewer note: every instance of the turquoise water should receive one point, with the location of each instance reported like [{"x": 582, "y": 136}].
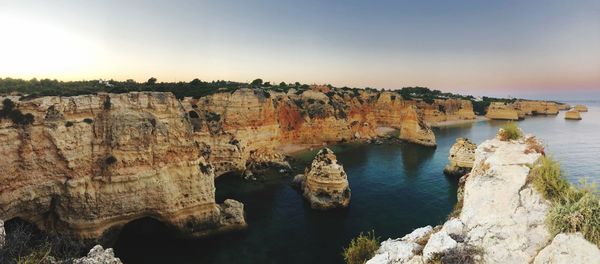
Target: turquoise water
[{"x": 395, "y": 188}]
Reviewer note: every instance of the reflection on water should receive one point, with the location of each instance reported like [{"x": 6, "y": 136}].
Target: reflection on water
[{"x": 395, "y": 188}]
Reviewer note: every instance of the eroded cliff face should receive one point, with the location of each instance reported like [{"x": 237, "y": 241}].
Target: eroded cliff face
[
  {"x": 461, "y": 157},
  {"x": 536, "y": 107},
  {"x": 502, "y": 111},
  {"x": 446, "y": 110},
  {"x": 502, "y": 218},
  {"x": 89, "y": 164}
]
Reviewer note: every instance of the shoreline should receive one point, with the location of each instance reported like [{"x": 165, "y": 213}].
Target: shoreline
[{"x": 459, "y": 122}]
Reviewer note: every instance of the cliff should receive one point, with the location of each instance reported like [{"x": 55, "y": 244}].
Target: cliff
[
  {"x": 502, "y": 111},
  {"x": 446, "y": 110},
  {"x": 325, "y": 183},
  {"x": 527, "y": 107},
  {"x": 90, "y": 164},
  {"x": 500, "y": 218}
]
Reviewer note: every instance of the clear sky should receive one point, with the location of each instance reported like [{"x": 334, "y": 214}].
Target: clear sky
[{"x": 510, "y": 47}]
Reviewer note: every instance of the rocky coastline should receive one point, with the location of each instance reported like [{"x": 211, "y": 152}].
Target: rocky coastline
[{"x": 500, "y": 217}]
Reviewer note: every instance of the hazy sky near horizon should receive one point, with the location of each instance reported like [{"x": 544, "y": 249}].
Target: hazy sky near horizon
[{"x": 500, "y": 48}]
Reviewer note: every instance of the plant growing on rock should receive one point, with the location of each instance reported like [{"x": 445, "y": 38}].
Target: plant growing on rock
[
  {"x": 510, "y": 131},
  {"x": 573, "y": 209},
  {"x": 361, "y": 248}
]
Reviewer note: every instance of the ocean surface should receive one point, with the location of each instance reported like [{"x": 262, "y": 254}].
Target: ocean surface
[{"x": 395, "y": 188}]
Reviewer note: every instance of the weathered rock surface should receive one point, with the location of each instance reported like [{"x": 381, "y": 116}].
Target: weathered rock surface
[
  {"x": 567, "y": 249},
  {"x": 461, "y": 157},
  {"x": 2, "y": 234},
  {"x": 563, "y": 107},
  {"x": 573, "y": 115},
  {"x": 502, "y": 215},
  {"x": 93, "y": 163},
  {"x": 527, "y": 107},
  {"x": 502, "y": 111},
  {"x": 446, "y": 110},
  {"x": 99, "y": 255},
  {"x": 580, "y": 108},
  {"x": 325, "y": 184},
  {"x": 414, "y": 129}
]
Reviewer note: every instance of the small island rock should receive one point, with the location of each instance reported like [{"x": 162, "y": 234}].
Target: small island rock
[
  {"x": 580, "y": 108},
  {"x": 325, "y": 183},
  {"x": 461, "y": 158},
  {"x": 573, "y": 115}
]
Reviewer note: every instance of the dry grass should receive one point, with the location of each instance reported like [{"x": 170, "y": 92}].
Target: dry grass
[
  {"x": 465, "y": 255},
  {"x": 533, "y": 146},
  {"x": 361, "y": 248},
  {"x": 510, "y": 131},
  {"x": 573, "y": 209}
]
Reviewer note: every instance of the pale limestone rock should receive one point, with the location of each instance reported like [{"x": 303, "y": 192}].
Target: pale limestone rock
[
  {"x": 454, "y": 227},
  {"x": 2, "y": 234},
  {"x": 326, "y": 183},
  {"x": 573, "y": 115},
  {"x": 99, "y": 255},
  {"x": 461, "y": 157},
  {"x": 567, "y": 249},
  {"x": 400, "y": 250},
  {"x": 438, "y": 243}
]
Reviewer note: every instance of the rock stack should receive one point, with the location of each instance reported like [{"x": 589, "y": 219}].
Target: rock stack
[
  {"x": 573, "y": 115},
  {"x": 580, "y": 108},
  {"x": 461, "y": 158},
  {"x": 325, "y": 183}
]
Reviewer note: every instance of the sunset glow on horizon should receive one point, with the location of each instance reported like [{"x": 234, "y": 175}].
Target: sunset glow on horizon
[{"x": 474, "y": 47}]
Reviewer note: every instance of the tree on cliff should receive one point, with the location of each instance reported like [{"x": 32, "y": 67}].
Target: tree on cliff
[
  {"x": 151, "y": 81},
  {"x": 257, "y": 83}
]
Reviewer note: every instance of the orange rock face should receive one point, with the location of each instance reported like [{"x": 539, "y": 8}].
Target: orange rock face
[
  {"x": 536, "y": 107},
  {"x": 502, "y": 111}
]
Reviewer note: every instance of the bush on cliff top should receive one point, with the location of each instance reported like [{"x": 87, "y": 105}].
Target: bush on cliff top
[
  {"x": 361, "y": 248},
  {"x": 510, "y": 131},
  {"x": 573, "y": 209}
]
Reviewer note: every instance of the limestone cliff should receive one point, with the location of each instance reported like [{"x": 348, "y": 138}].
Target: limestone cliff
[
  {"x": 502, "y": 219},
  {"x": 573, "y": 115},
  {"x": 446, "y": 110},
  {"x": 461, "y": 157},
  {"x": 325, "y": 183},
  {"x": 502, "y": 111},
  {"x": 90, "y": 164},
  {"x": 527, "y": 107}
]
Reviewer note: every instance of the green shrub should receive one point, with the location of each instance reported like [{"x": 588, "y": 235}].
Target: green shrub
[
  {"x": 573, "y": 209},
  {"x": 69, "y": 124},
  {"x": 361, "y": 248},
  {"x": 110, "y": 160},
  {"x": 510, "y": 131},
  {"x": 88, "y": 120}
]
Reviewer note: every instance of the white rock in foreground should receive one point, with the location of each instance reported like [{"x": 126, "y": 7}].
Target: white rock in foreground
[
  {"x": 2, "y": 234},
  {"x": 568, "y": 249},
  {"x": 99, "y": 255},
  {"x": 502, "y": 215}
]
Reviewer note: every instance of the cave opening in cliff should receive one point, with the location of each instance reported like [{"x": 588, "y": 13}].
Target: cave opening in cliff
[{"x": 141, "y": 234}]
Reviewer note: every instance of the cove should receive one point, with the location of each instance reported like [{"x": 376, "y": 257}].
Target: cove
[{"x": 395, "y": 188}]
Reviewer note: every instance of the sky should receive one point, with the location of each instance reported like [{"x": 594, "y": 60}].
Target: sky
[{"x": 498, "y": 48}]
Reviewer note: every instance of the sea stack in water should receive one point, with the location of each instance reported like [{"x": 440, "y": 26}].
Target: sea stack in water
[
  {"x": 573, "y": 115},
  {"x": 461, "y": 158},
  {"x": 581, "y": 108},
  {"x": 325, "y": 183}
]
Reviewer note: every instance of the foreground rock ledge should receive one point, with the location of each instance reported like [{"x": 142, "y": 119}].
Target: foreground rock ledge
[
  {"x": 501, "y": 221},
  {"x": 325, "y": 183}
]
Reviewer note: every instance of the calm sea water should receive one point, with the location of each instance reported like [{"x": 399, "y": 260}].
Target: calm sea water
[{"x": 395, "y": 188}]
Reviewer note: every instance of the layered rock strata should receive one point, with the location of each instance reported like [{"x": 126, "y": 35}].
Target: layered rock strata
[
  {"x": 573, "y": 115},
  {"x": 580, "y": 108},
  {"x": 446, "y": 110},
  {"x": 501, "y": 219},
  {"x": 90, "y": 164},
  {"x": 461, "y": 158},
  {"x": 526, "y": 107},
  {"x": 502, "y": 111},
  {"x": 325, "y": 183}
]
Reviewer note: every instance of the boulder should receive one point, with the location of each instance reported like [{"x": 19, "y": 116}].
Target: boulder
[
  {"x": 461, "y": 158},
  {"x": 573, "y": 115},
  {"x": 99, "y": 255},
  {"x": 326, "y": 183},
  {"x": 567, "y": 249}
]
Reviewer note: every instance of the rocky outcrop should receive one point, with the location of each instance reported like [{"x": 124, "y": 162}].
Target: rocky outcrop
[
  {"x": 580, "y": 108},
  {"x": 414, "y": 129},
  {"x": 325, "y": 183},
  {"x": 563, "y": 106},
  {"x": 446, "y": 110},
  {"x": 502, "y": 218},
  {"x": 461, "y": 158},
  {"x": 573, "y": 115},
  {"x": 526, "y": 107},
  {"x": 2, "y": 234},
  {"x": 99, "y": 255},
  {"x": 502, "y": 111},
  {"x": 567, "y": 249},
  {"x": 91, "y": 164}
]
